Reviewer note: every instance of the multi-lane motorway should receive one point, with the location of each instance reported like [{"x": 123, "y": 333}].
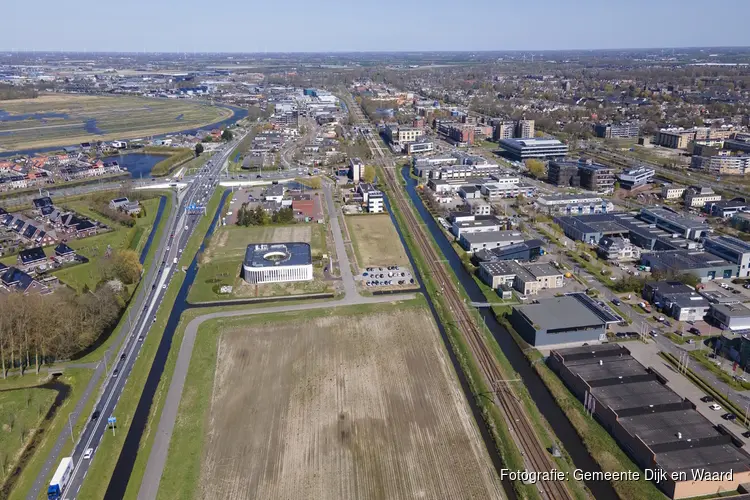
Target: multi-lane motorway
[{"x": 180, "y": 227}]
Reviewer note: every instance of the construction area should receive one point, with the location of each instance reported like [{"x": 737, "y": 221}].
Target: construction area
[
  {"x": 375, "y": 241},
  {"x": 350, "y": 406}
]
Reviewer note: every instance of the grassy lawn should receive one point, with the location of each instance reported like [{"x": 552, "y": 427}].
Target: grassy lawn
[
  {"x": 115, "y": 117},
  {"x": 101, "y": 469},
  {"x": 375, "y": 241},
  {"x": 221, "y": 262},
  {"x": 77, "y": 380},
  {"x": 95, "y": 247}
]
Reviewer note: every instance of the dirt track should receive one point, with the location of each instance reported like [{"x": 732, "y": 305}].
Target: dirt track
[{"x": 342, "y": 408}]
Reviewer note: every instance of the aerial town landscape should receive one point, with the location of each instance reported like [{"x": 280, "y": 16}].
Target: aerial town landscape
[{"x": 465, "y": 274}]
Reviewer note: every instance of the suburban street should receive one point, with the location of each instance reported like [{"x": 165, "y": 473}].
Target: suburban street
[{"x": 179, "y": 228}]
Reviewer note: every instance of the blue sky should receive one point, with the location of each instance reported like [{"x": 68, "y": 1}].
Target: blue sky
[{"x": 385, "y": 25}]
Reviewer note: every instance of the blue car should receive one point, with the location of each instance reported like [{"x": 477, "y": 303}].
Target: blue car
[{"x": 365, "y": 274}]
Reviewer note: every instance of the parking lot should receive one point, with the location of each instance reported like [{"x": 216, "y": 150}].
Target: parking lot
[{"x": 387, "y": 277}]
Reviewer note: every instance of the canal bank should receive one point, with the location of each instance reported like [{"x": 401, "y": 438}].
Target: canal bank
[{"x": 538, "y": 392}]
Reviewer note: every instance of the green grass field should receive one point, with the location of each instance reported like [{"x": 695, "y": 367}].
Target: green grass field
[
  {"x": 95, "y": 247},
  {"x": 221, "y": 262},
  {"x": 77, "y": 380},
  {"x": 111, "y": 117}
]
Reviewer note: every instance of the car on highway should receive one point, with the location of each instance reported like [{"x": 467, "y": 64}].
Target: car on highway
[
  {"x": 122, "y": 356},
  {"x": 694, "y": 330},
  {"x": 616, "y": 302},
  {"x": 87, "y": 454},
  {"x": 96, "y": 414},
  {"x": 164, "y": 287},
  {"x": 140, "y": 339},
  {"x": 115, "y": 372}
]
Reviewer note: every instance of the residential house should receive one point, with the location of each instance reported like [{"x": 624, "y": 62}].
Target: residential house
[
  {"x": 617, "y": 249},
  {"x": 64, "y": 253},
  {"x": 31, "y": 258}
]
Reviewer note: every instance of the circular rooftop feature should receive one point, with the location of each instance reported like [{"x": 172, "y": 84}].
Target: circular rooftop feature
[{"x": 276, "y": 256}]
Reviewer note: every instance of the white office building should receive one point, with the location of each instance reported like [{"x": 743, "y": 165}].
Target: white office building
[{"x": 277, "y": 263}]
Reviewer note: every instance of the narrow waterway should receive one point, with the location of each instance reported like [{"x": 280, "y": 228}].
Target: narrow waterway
[
  {"x": 538, "y": 391},
  {"x": 154, "y": 228},
  {"x": 125, "y": 462},
  {"x": 489, "y": 443}
]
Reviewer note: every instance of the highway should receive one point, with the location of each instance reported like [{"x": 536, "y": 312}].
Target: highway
[{"x": 179, "y": 229}]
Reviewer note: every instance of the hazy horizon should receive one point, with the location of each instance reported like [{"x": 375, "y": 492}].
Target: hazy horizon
[{"x": 297, "y": 26}]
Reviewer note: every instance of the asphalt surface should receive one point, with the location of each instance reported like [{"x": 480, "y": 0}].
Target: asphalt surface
[
  {"x": 160, "y": 447},
  {"x": 53, "y": 459},
  {"x": 155, "y": 286}
]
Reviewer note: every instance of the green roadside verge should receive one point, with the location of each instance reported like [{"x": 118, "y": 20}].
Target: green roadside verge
[
  {"x": 706, "y": 387},
  {"x": 175, "y": 157},
  {"x": 106, "y": 457},
  {"x": 600, "y": 444},
  {"x": 77, "y": 379},
  {"x": 494, "y": 420}
]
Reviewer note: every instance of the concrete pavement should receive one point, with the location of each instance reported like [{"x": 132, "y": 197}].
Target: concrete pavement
[{"x": 350, "y": 287}]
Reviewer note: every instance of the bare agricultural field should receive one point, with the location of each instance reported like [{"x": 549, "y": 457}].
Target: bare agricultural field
[
  {"x": 357, "y": 406},
  {"x": 63, "y": 119},
  {"x": 375, "y": 241}
]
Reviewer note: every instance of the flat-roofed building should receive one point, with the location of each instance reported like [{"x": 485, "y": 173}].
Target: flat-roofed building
[
  {"x": 721, "y": 164},
  {"x": 557, "y": 321},
  {"x": 726, "y": 208},
  {"x": 687, "y": 227},
  {"x": 419, "y": 147},
  {"x": 703, "y": 265},
  {"x": 636, "y": 177},
  {"x": 733, "y": 317},
  {"x": 698, "y": 196},
  {"x": 277, "y": 263},
  {"x": 731, "y": 249},
  {"x": 574, "y": 204},
  {"x": 655, "y": 426},
  {"x": 479, "y": 207},
  {"x": 741, "y": 221},
  {"x": 672, "y": 192},
  {"x": 473, "y": 241},
  {"x": 477, "y": 224},
  {"x": 523, "y": 149},
  {"x": 619, "y": 131}
]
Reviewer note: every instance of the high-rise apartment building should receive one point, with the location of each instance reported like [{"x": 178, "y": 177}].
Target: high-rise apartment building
[{"x": 525, "y": 129}]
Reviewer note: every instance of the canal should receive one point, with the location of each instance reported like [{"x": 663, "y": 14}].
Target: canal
[
  {"x": 538, "y": 391},
  {"x": 125, "y": 462}
]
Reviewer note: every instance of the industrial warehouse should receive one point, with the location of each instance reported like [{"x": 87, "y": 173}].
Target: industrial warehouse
[
  {"x": 658, "y": 429},
  {"x": 277, "y": 263}
]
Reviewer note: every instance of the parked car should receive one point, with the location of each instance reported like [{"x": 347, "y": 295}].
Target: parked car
[
  {"x": 729, "y": 416},
  {"x": 707, "y": 399},
  {"x": 616, "y": 302},
  {"x": 746, "y": 434},
  {"x": 715, "y": 407},
  {"x": 694, "y": 330}
]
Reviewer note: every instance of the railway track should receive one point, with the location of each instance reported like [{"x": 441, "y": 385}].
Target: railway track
[{"x": 536, "y": 457}]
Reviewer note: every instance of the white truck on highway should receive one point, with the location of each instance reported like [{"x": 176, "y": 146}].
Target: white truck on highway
[{"x": 60, "y": 479}]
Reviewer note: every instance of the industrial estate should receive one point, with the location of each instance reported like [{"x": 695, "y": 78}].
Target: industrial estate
[{"x": 379, "y": 276}]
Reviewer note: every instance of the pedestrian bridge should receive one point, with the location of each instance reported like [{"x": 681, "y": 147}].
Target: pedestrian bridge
[{"x": 486, "y": 304}]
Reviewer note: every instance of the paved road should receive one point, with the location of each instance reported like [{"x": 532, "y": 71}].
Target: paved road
[
  {"x": 160, "y": 449},
  {"x": 53, "y": 459},
  {"x": 179, "y": 229}
]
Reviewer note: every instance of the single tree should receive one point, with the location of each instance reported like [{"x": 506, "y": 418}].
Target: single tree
[
  {"x": 227, "y": 135},
  {"x": 198, "y": 149}
]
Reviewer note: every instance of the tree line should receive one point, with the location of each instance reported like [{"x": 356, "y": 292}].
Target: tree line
[
  {"x": 37, "y": 329},
  {"x": 257, "y": 216}
]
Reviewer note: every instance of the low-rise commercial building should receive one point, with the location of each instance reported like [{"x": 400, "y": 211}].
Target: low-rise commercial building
[
  {"x": 471, "y": 242},
  {"x": 655, "y": 426},
  {"x": 479, "y": 207},
  {"x": 731, "y": 249},
  {"x": 698, "y": 196},
  {"x": 726, "y": 208},
  {"x": 672, "y": 192},
  {"x": 573, "y": 204},
  {"x": 676, "y": 299},
  {"x": 636, "y": 177},
  {"x": 721, "y": 164},
  {"x": 277, "y": 263},
  {"x": 741, "y": 221},
  {"x": 475, "y": 224},
  {"x": 529, "y": 250},
  {"x": 687, "y": 227},
  {"x": 703, "y": 265},
  {"x": 557, "y": 321},
  {"x": 527, "y": 279},
  {"x": 419, "y": 147},
  {"x": 523, "y": 149},
  {"x": 400, "y": 135},
  {"x": 733, "y": 317}
]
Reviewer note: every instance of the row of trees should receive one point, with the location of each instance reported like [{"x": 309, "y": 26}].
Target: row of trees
[
  {"x": 247, "y": 216},
  {"x": 37, "y": 329}
]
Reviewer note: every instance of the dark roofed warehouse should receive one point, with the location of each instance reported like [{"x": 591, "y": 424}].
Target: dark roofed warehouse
[{"x": 653, "y": 424}]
